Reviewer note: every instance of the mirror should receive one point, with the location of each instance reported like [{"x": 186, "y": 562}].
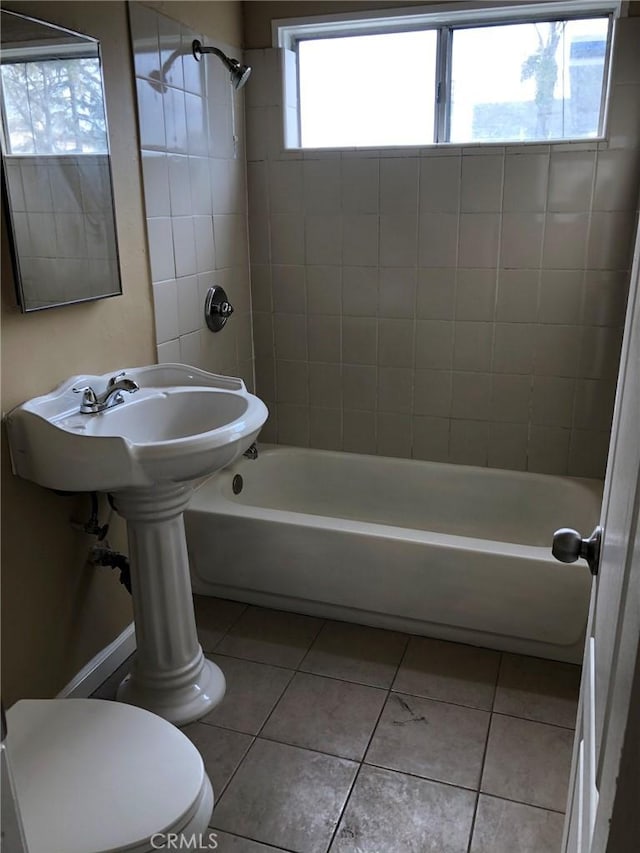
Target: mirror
[{"x": 56, "y": 175}]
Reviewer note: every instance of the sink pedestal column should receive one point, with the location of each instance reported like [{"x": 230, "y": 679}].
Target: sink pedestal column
[{"x": 170, "y": 675}]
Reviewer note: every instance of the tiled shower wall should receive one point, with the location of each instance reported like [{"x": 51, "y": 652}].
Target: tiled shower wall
[
  {"x": 458, "y": 304},
  {"x": 191, "y": 125}
]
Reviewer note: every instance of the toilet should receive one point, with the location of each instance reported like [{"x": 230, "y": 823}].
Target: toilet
[{"x": 93, "y": 776}]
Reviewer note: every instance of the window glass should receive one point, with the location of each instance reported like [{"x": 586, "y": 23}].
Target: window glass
[
  {"x": 527, "y": 81},
  {"x": 63, "y": 112},
  {"x": 369, "y": 90}
]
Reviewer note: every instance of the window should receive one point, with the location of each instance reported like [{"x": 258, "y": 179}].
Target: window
[{"x": 525, "y": 73}]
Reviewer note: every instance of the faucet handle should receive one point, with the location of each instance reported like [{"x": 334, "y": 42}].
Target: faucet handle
[
  {"x": 115, "y": 378},
  {"x": 88, "y": 394}
]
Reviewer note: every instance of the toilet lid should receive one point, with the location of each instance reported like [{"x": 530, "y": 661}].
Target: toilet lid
[{"x": 94, "y": 776}]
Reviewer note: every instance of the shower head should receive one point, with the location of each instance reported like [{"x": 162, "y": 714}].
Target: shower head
[{"x": 239, "y": 73}]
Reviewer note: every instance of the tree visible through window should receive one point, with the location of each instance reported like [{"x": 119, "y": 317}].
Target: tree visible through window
[
  {"x": 63, "y": 111},
  {"x": 467, "y": 79}
]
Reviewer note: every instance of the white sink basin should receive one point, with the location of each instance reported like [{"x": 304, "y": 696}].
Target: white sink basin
[{"x": 182, "y": 424}]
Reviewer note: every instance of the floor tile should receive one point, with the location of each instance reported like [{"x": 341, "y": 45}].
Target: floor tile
[
  {"x": 221, "y": 750},
  {"x": 435, "y": 669},
  {"x": 431, "y": 739},
  {"x": 271, "y": 636},
  {"x": 393, "y": 813},
  {"x": 252, "y": 692},
  {"x": 542, "y": 690},
  {"x": 235, "y": 844},
  {"x": 504, "y": 827},
  {"x": 356, "y": 653},
  {"x": 214, "y": 617},
  {"x": 327, "y": 715},
  {"x": 286, "y": 796},
  {"x": 528, "y": 762}
]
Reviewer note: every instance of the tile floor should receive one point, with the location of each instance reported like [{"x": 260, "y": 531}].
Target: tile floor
[{"x": 341, "y": 738}]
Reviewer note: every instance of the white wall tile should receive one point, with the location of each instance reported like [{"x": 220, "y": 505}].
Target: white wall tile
[
  {"x": 175, "y": 119},
  {"x": 395, "y": 343},
  {"x": 144, "y": 39},
  {"x": 571, "y": 181},
  {"x": 170, "y": 42},
  {"x": 521, "y": 241},
  {"x": 150, "y": 116},
  {"x": 190, "y": 309},
  {"x": 552, "y": 400},
  {"x": 323, "y": 239},
  {"x": 481, "y": 184},
  {"x": 397, "y": 292},
  {"x": 565, "y": 239},
  {"x": 169, "y": 352},
  {"x": 179, "y": 185},
  {"x": 321, "y": 180},
  {"x": 557, "y": 350},
  {"x": 288, "y": 288},
  {"x": 165, "y": 300},
  {"x": 508, "y": 446},
  {"x": 360, "y": 291},
  {"x": 399, "y": 186},
  {"x": 610, "y": 241},
  {"x": 200, "y": 184},
  {"x": 438, "y": 240},
  {"x": 440, "y": 184},
  {"x": 360, "y": 185},
  {"x": 191, "y": 348},
  {"x": 479, "y": 237},
  {"x": 155, "y": 170},
  {"x": 393, "y": 434},
  {"x": 184, "y": 246},
  {"x": 471, "y": 396},
  {"x": 286, "y": 187},
  {"x": 358, "y": 432},
  {"x": 548, "y": 450},
  {"x": 475, "y": 294},
  {"x": 436, "y": 293},
  {"x": 525, "y": 182},
  {"x": 431, "y": 439},
  {"x": 513, "y": 348},
  {"x": 469, "y": 441},
  {"x": 360, "y": 239},
  {"x": 324, "y": 290},
  {"x": 204, "y": 243},
  {"x": 473, "y": 346},
  {"x": 560, "y": 296},
  {"x": 398, "y": 241},
  {"x": 434, "y": 344},
  {"x": 161, "y": 249}
]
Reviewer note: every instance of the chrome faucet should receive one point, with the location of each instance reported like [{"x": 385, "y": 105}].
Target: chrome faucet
[
  {"x": 93, "y": 404},
  {"x": 252, "y": 451}
]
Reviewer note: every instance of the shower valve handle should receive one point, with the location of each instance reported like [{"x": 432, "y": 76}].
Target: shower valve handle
[{"x": 568, "y": 546}]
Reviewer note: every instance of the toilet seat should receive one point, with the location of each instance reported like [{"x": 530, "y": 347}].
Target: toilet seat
[{"x": 93, "y": 776}]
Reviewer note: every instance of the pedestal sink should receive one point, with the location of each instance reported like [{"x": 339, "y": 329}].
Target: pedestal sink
[{"x": 180, "y": 425}]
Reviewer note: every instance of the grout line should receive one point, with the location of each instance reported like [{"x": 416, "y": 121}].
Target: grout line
[{"x": 484, "y": 754}]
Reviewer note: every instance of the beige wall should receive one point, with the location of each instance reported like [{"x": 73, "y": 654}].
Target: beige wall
[
  {"x": 56, "y": 613},
  {"x": 258, "y": 14}
]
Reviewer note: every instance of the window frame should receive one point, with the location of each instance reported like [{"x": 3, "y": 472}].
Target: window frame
[{"x": 288, "y": 33}]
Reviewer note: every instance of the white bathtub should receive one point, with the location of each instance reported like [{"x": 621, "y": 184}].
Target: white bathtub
[{"x": 448, "y": 551}]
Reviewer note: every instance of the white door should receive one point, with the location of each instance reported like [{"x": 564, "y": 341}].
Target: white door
[{"x": 614, "y": 619}]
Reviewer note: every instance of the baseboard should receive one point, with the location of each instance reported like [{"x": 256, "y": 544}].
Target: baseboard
[{"x": 99, "y": 668}]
